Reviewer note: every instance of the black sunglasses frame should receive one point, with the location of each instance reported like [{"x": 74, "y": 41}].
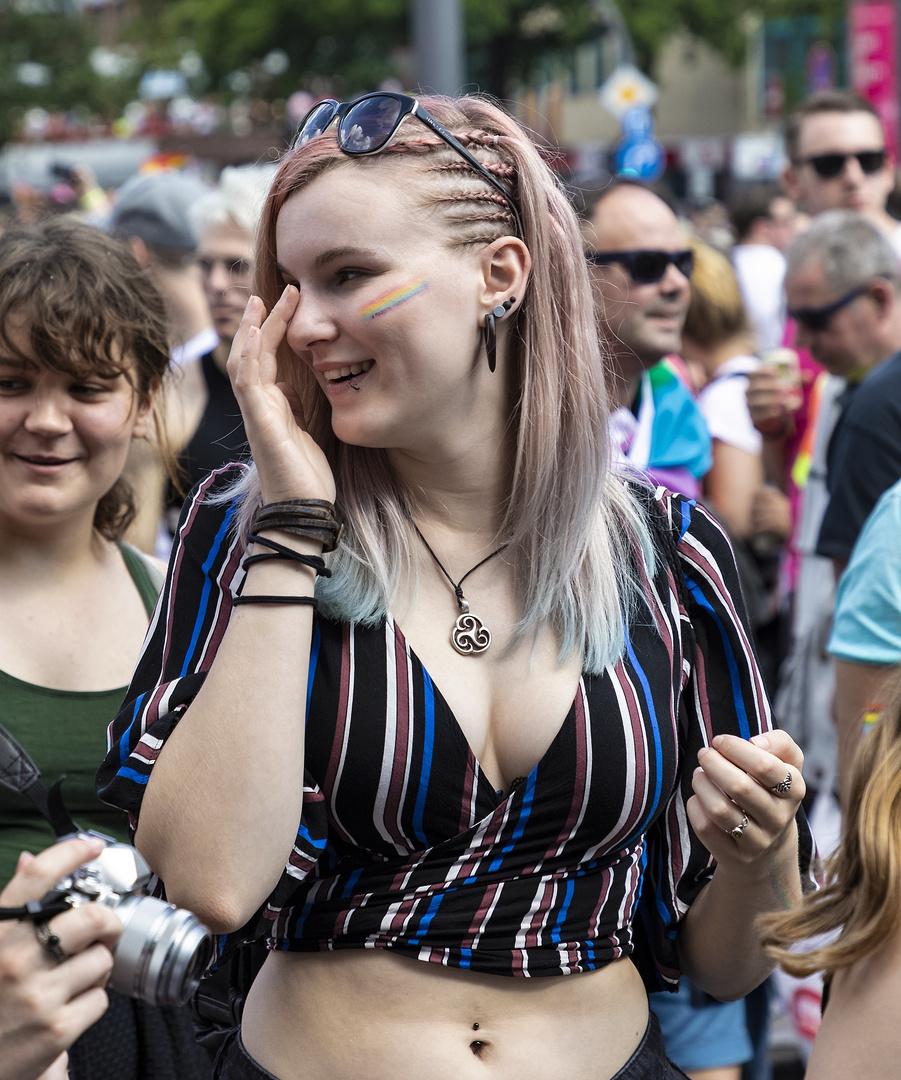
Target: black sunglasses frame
[
  {"x": 829, "y": 166},
  {"x": 683, "y": 261},
  {"x": 409, "y": 106},
  {"x": 817, "y": 319}
]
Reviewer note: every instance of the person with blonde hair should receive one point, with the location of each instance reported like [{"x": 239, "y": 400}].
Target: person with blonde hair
[
  {"x": 717, "y": 343},
  {"x": 851, "y": 929},
  {"x": 434, "y": 702}
]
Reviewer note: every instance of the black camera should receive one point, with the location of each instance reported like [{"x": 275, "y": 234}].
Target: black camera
[{"x": 163, "y": 950}]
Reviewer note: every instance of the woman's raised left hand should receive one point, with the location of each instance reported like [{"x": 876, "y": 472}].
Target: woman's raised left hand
[{"x": 747, "y": 792}]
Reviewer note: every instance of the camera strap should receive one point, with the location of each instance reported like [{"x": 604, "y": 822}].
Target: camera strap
[{"x": 20, "y": 774}]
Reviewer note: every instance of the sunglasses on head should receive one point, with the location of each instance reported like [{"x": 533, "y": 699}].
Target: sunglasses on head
[
  {"x": 818, "y": 318},
  {"x": 367, "y": 124},
  {"x": 646, "y": 267},
  {"x": 829, "y": 166}
]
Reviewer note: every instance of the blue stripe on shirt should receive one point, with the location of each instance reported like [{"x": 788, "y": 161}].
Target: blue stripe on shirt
[
  {"x": 428, "y": 747},
  {"x": 731, "y": 659},
  {"x": 189, "y": 662}
]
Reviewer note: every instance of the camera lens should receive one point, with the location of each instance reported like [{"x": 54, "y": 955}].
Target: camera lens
[{"x": 162, "y": 953}]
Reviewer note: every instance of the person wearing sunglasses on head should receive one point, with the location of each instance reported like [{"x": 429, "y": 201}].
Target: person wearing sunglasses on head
[
  {"x": 420, "y": 706},
  {"x": 639, "y": 266},
  {"x": 837, "y": 159}
]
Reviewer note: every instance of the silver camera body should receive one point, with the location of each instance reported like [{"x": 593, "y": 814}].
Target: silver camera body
[{"x": 163, "y": 950}]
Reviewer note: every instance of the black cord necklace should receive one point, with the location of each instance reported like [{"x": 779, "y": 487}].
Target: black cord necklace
[{"x": 470, "y": 636}]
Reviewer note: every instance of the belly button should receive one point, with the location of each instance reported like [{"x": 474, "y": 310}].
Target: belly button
[{"x": 477, "y": 1047}]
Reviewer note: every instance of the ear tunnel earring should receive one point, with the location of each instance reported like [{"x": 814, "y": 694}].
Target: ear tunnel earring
[{"x": 490, "y": 330}]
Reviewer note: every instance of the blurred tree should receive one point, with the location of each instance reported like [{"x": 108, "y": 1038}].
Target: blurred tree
[
  {"x": 348, "y": 45},
  {"x": 45, "y": 63},
  {"x": 272, "y": 47},
  {"x": 351, "y": 45},
  {"x": 510, "y": 41},
  {"x": 651, "y": 22}
]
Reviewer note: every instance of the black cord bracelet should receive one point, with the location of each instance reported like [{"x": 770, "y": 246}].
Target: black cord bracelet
[
  {"x": 280, "y": 551},
  {"x": 310, "y": 601}
]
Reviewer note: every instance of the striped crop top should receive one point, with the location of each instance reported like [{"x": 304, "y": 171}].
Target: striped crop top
[{"x": 405, "y": 845}]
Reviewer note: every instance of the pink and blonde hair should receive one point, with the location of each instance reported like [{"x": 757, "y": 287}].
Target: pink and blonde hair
[{"x": 570, "y": 524}]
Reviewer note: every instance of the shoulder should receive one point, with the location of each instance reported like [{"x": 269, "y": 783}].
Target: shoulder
[
  {"x": 725, "y": 405},
  {"x": 867, "y": 624},
  {"x": 694, "y": 531},
  {"x": 729, "y": 384},
  {"x": 156, "y": 568},
  {"x": 212, "y": 504},
  {"x": 880, "y": 390}
]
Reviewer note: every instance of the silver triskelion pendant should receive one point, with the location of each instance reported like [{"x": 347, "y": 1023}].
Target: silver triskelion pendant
[{"x": 470, "y": 636}]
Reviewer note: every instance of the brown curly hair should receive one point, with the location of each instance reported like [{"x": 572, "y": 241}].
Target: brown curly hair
[{"x": 88, "y": 308}]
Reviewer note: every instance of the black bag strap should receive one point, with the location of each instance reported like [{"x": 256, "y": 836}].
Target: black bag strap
[{"x": 20, "y": 774}]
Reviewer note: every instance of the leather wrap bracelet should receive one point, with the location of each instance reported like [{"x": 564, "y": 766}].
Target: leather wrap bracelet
[{"x": 311, "y": 518}]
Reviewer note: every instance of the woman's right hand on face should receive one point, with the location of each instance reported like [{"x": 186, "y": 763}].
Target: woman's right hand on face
[
  {"x": 289, "y": 463},
  {"x": 46, "y": 1005}
]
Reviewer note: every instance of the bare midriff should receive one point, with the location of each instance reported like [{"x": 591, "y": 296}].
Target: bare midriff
[{"x": 373, "y": 1015}]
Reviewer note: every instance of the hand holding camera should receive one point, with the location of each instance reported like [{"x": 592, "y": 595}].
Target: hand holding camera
[{"x": 45, "y": 1004}]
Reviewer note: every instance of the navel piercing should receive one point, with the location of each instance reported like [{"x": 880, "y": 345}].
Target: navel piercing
[{"x": 475, "y": 1026}]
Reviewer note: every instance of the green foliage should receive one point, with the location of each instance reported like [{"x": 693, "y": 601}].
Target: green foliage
[
  {"x": 510, "y": 41},
  {"x": 347, "y": 42},
  {"x": 718, "y": 22},
  {"x": 346, "y": 46},
  {"x": 63, "y": 45}
]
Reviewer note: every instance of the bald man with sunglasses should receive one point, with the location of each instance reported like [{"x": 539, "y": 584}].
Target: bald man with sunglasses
[{"x": 640, "y": 267}]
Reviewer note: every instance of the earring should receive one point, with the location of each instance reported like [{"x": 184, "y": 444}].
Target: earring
[{"x": 490, "y": 330}]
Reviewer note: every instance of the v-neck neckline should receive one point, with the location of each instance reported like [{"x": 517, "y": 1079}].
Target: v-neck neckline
[{"x": 485, "y": 782}]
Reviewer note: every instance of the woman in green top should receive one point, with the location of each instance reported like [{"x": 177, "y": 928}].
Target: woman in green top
[{"x": 83, "y": 350}]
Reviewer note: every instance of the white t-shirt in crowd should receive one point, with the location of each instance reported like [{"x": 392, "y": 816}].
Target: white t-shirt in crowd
[
  {"x": 724, "y": 404},
  {"x": 760, "y": 269}
]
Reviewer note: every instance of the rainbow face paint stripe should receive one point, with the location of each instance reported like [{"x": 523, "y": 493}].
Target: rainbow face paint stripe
[{"x": 393, "y": 299}]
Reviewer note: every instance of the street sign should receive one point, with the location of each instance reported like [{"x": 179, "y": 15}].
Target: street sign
[
  {"x": 637, "y": 123},
  {"x": 625, "y": 89},
  {"x": 643, "y": 160}
]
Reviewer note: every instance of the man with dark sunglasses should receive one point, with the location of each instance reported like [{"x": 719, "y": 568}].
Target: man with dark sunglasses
[
  {"x": 640, "y": 267},
  {"x": 838, "y": 159},
  {"x": 843, "y": 287}
]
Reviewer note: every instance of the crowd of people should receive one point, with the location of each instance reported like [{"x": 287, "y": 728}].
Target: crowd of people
[{"x": 284, "y": 431}]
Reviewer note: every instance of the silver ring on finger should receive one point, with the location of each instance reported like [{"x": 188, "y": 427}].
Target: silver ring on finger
[
  {"x": 50, "y": 942},
  {"x": 784, "y": 786},
  {"x": 739, "y": 831}
]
